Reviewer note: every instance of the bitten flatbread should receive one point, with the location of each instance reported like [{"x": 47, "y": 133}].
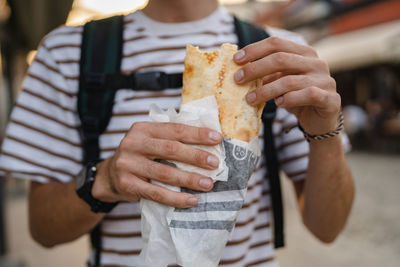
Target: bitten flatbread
[{"x": 211, "y": 73}]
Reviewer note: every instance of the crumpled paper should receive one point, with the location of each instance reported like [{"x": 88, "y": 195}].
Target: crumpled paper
[
  {"x": 196, "y": 237},
  {"x": 200, "y": 113}
]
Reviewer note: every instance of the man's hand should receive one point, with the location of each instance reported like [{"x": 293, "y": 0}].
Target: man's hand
[
  {"x": 299, "y": 81},
  {"x": 295, "y": 77},
  {"x": 125, "y": 176}
]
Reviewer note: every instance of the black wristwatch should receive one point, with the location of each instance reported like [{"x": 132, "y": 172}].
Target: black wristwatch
[{"x": 84, "y": 184}]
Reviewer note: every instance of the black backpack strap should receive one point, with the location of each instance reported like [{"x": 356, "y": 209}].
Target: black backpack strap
[
  {"x": 270, "y": 153},
  {"x": 101, "y": 52},
  {"x": 248, "y": 33}
]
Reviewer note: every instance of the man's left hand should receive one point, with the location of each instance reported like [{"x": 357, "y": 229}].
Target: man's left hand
[{"x": 295, "y": 77}]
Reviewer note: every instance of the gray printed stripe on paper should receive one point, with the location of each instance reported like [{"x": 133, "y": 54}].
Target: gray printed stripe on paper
[
  {"x": 197, "y": 225},
  {"x": 214, "y": 206},
  {"x": 241, "y": 164}
]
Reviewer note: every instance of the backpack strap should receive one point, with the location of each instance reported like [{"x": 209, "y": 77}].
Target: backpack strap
[
  {"x": 101, "y": 52},
  {"x": 248, "y": 33},
  {"x": 100, "y": 78},
  {"x": 270, "y": 153}
]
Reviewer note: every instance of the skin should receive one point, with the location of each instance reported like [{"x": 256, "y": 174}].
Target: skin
[
  {"x": 299, "y": 81},
  {"x": 293, "y": 75}
]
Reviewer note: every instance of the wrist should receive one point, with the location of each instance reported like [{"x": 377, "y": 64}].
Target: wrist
[
  {"x": 84, "y": 188},
  {"x": 329, "y": 150},
  {"x": 103, "y": 188},
  {"x": 310, "y": 136}
]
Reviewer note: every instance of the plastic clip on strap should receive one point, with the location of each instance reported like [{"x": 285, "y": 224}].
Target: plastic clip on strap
[{"x": 152, "y": 81}]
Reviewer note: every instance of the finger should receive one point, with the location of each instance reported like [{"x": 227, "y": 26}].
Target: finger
[
  {"x": 179, "y": 132},
  {"x": 289, "y": 83},
  {"x": 280, "y": 62},
  {"x": 165, "y": 196},
  {"x": 174, "y": 150},
  {"x": 269, "y": 46},
  {"x": 170, "y": 175},
  {"x": 310, "y": 96},
  {"x": 272, "y": 77}
]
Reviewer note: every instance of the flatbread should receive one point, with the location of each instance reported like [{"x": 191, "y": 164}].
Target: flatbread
[{"x": 211, "y": 73}]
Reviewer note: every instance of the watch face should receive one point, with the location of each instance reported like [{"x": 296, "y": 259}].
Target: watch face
[{"x": 80, "y": 179}]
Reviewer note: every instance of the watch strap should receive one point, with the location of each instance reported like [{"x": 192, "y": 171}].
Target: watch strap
[{"x": 85, "y": 191}]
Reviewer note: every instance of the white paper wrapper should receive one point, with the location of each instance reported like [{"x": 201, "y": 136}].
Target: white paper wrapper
[
  {"x": 200, "y": 113},
  {"x": 196, "y": 237}
]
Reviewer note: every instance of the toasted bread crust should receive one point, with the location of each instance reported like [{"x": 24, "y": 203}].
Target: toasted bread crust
[{"x": 211, "y": 73}]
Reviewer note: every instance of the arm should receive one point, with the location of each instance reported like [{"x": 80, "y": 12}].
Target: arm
[
  {"x": 57, "y": 215},
  {"x": 325, "y": 197},
  {"x": 300, "y": 82}
]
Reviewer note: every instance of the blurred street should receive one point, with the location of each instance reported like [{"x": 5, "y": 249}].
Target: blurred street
[
  {"x": 372, "y": 235},
  {"x": 371, "y": 238}
]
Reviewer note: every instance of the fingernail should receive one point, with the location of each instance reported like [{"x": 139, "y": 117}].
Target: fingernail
[
  {"x": 215, "y": 136},
  {"x": 191, "y": 201},
  {"x": 251, "y": 97},
  {"x": 205, "y": 183},
  {"x": 239, "y": 55},
  {"x": 279, "y": 100},
  {"x": 212, "y": 161},
  {"x": 239, "y": 75}
]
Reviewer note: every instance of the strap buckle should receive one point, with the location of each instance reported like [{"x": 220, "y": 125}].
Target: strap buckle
[{"x": 153, "y": 80}]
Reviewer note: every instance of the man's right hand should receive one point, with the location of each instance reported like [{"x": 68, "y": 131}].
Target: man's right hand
[{"x": 125, "y": 176}]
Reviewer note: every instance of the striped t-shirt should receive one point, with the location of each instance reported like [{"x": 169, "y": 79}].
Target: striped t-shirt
[{"x": 42, "y": 140}]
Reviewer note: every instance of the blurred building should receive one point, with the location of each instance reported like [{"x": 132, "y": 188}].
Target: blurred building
[
  {"x": 23, "y": 23},
  {"x": 363, "y": 50},
  {"x": 360, "y": 40}
]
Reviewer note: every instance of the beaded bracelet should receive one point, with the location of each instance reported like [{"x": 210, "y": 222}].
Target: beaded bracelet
[{"x": 335, "y": 132}]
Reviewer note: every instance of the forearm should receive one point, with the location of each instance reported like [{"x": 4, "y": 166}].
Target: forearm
[
  {"x": 329, "y": 189},
  {"x": 57, "y": 215}
]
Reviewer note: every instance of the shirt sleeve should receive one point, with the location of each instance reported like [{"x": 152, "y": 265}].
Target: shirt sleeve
[{"x": 42, "y": 141}]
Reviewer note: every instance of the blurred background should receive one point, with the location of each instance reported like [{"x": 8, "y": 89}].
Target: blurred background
[{"x": 360, "y": 39}]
